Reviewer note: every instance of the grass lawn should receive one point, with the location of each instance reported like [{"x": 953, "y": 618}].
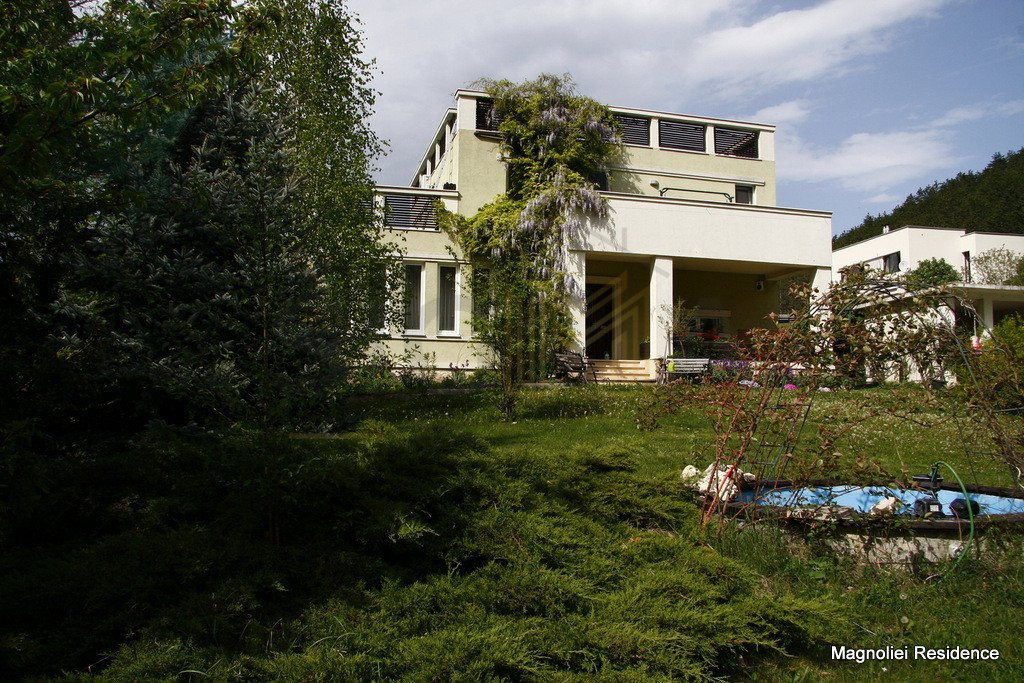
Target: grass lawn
[
  {"x": 432, "y": 541},
  {"x": 980, "y": 606}
]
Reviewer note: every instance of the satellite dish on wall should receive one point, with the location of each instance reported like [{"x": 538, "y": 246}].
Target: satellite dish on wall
[{"x": 904, "y": 266}]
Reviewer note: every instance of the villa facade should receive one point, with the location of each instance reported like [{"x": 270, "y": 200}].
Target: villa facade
[{"x": 693, "y": 217}]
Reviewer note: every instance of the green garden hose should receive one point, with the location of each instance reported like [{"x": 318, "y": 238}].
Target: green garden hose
[{"x": 965, "y": 548}]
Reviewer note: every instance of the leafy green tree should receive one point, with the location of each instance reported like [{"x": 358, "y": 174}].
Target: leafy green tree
[
  {"x": 933, "y": 272},
  {"x": 98, "y": 104},
  {"x": 206, "y": 301},
  {"x": 77, "y": 83},
  {"x": 555, "y": 143},
  {"x": 1018, "y": 277},
  {"x": 996, "y": 266}
]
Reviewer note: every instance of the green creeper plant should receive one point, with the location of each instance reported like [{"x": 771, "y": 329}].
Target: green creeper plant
[{"x": 555, "y": 143}]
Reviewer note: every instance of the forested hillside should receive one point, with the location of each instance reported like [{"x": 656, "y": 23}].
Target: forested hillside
[{"x": 989, "y": 201}]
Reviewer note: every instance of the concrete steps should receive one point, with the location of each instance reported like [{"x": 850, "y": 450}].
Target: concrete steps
[{"x": 620, "y": 371}]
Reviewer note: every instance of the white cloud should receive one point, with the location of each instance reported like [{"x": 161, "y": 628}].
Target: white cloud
[
  {"x": 959, "y": 115},
  {"x": 799, "y": 45},
  {"x": 975, "y": 112},
  {"x": 659, "y": 54},
  {"x": 878, "y": 161},
  {"x": 792, "y": 111},
  {"x": 866, "y": 161}
]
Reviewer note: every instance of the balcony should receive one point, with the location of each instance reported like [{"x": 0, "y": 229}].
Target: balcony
[{"x": 711, "y": 232}]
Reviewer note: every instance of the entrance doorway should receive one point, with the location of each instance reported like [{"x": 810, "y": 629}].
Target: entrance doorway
[{"x": 600, "y": 320}]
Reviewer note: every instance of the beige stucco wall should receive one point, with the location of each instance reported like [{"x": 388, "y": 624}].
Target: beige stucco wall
[{"x": 692, "y": 170}]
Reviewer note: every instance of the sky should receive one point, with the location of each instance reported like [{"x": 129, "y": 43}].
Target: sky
[{"x": 872, "y": 99}]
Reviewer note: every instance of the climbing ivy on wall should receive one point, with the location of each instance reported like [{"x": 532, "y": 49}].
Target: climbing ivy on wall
[{"x": 556, "y": 144}]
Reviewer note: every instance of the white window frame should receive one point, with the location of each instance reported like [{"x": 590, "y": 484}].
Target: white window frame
[
  {"x": 458, "y": 297},
  {"x": 421, "y": 330}
]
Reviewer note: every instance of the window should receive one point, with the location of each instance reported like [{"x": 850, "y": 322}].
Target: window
[
  {"x": 600, "y": 180},
  {"x": 891, "y": 262},
  {"x": 486, "y": 118},
  {"x": 447, "y": 300},
  {"x": 410, "y": 212},
  {"x": 967, "y": 266},
  {"x": 636, "y": 130},
  {"x": 679, "y": 135},
  {"x": 736, "y": 143},
  {"x": 744, "y": 194},
  {"x": 414, "y": 282}
]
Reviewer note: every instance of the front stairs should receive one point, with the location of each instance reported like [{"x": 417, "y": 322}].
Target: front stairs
[{"x": 620, "y": 371}]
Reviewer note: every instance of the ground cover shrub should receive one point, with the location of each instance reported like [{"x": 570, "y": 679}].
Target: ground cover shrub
[
  {"x": 390, "y": 553},
  {"x": 549, "y": 547}
]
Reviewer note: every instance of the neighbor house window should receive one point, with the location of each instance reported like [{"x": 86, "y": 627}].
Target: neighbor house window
[
  {"x": 414, "y": 298},
  {"x": 967, "y": 266},
  {"x": 744, "y": 194},
  {"x": 891, "y": 262},
  {"x": 447, "y": 300}
]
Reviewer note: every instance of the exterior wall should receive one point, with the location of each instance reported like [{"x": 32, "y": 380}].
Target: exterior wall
[
  {"x": 776, "y": 238},
  {"x": 693, "y": 171}
]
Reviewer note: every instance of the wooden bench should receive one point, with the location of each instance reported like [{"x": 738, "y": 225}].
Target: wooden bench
[
  {"x": 572, "y": 366},
  {"x": 677, "y": 368}
]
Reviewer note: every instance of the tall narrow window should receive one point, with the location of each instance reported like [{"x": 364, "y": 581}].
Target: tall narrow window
[
  {"x": 446, "y": 300},
  {"x": 967, "y": 266},
  {"x": 413, "y": 298},
  {"x": 744, "y": 194}
]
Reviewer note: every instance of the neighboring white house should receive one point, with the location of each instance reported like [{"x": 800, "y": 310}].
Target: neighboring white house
[
  {"x": 693, "y": 217},
  {"x": 903, "y": 249}
]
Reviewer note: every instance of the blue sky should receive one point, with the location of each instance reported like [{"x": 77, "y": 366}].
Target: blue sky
[{"x": 872, "y": 98}]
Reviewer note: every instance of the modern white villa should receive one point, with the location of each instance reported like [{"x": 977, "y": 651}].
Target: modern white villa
[
  {"x": 902, "y": 250},
  {"x": 693, "y": 218}
]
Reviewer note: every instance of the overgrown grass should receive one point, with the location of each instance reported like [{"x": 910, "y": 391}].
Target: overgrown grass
[{"x": 436, "y": 542}]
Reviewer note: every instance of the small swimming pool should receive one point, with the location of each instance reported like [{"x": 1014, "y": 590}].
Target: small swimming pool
[{"x": 863, "y": 498}]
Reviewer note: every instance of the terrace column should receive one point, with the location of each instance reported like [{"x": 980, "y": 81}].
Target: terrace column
[
  {"x": 660, "y": 295},
  {"x": 988, "y": 315},
  {"x": 576, "y": 276}
]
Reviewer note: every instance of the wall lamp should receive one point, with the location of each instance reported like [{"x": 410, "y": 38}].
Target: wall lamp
[{"x": 662, "y": 190}]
